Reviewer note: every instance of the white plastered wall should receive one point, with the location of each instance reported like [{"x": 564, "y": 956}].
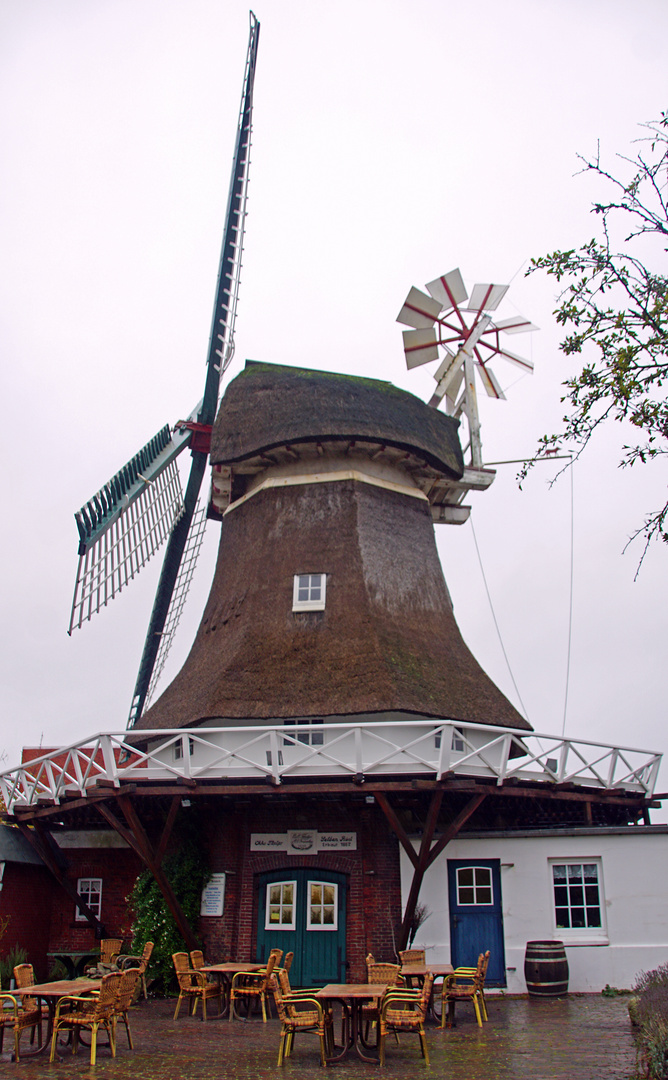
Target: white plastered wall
[{"x": 634, "y": 870}]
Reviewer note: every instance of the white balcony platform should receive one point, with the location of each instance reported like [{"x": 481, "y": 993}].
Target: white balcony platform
[{"x": 276, "y": 753}]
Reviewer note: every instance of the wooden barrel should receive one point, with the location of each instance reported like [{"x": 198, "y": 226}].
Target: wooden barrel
[{"x": 546, "y": 968}]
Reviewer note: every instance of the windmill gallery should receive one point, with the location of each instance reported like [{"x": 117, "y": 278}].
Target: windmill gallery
[{"x": 342, "y": 752}]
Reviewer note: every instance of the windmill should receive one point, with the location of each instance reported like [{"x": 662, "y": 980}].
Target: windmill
[
  {"x": 142, "y": 506},
  {"x": 449, "y": 323}
]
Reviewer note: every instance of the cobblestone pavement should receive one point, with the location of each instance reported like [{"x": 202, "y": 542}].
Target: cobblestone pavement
[{"x": 582, "y": 1037}]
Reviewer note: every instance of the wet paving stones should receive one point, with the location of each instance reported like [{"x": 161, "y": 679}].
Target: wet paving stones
[{"x": 579, "y": 1037}]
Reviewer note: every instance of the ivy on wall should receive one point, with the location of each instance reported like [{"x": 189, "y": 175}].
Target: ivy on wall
[{"x": 187, "y": 869}]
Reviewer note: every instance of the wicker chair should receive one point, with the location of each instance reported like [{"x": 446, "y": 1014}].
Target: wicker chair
[
  {"x": 388, "y": 975},
  {"x": 14, "y": 1015},
  {"x": 252, "y": 985},
  {"x": 24, "y": 975},
  {"x": 465, "y": 984},
  {"x": 287, "y": 963},
  {"x": 110, "y": 949},
  {"x": 412, "y": 956},
  {"x": 301, "y": 1013},
  {"x": 125, "y": 961},
  {"x": 194, "y": 987},
  {"x": 126, "y": 992},
  {"x": 91, "y": 1012},
  {"x": 405, "y": 1011}
]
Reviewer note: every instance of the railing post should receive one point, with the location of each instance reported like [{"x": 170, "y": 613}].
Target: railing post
[
  {"x": 505, "y": 755},
  {"x": 358, "y": 752},
  {"x": 109, "y": 759},
  {"x": 614, "y": 757},
  {"x": 275, "y": 768},
  {"x": 444, "y": 751}
]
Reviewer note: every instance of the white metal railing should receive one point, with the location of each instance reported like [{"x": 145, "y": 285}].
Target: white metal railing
[{"x": 374, "y": 750}]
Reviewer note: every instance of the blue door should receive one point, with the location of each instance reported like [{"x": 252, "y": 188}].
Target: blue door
[
  {"x": 304, "y": 912},
  {"x": 476, "y": 919}
]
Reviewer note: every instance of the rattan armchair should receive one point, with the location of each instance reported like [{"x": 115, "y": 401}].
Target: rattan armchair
[
  {"x": 15, "y": 1016},
  {"x": 405, "y": 1011},
  {"x": 387, "y": 974},
  {"x": 465, "y": 984},
  {"x": 412, "y": 956},
  {"x": 125, "y": 961},
  {"x": 91, "y": 1012},
  {"x": 24, "y": 976},
  {"x": 253, "y": 985},
  {"x": 124, "y": 998},
  {"x": 299, "y": 1012},
  {"x": 193, "y": 986}
]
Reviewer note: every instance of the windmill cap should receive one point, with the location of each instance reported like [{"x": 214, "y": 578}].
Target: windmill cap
[{"x": 271, "y": 405}]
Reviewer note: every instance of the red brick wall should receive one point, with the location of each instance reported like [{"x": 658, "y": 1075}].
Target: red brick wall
[
  {"x": 118, "y": 869},
  {"x": 26, "y": 897},
  {"x": 374, "y": 888}
]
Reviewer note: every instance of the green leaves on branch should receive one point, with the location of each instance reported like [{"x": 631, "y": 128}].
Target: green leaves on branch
[{"x": 614, "y": 305}]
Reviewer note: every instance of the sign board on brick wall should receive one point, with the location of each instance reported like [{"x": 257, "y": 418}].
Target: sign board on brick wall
[
  {"x": 213, "y": 896},
  {"x": 304, "y": 841}
]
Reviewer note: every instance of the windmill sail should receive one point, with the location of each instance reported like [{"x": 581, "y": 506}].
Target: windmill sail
[
  {"x": 125, "y": 523},
  {"x": 221, "y": 346}
]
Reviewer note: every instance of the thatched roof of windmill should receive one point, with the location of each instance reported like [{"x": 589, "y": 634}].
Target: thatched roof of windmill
[{"x": 269, "y": 405}]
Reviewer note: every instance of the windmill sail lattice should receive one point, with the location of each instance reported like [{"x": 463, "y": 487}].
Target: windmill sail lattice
[
  {"x": 125, "y": 523},
  {"x": 179, "y": 596}
]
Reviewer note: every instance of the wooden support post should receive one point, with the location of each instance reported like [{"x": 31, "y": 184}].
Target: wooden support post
[
  {"x": 418, "y": 872},
  {"x": 45, "y": 846},
  {"x": 143, "y": 847},
  {"x": 428, "y": 854},
  {"x": 396, "y": 826}
]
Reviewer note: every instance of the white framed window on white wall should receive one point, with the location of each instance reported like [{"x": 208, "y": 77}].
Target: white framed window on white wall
[
  {"x": 322, "y": 906},
  {"x": 308, "y": 592},
  {"x": 281, "y": 905},
  {"x": 578, "y": 902},
  {"x": 90, "y": 891}
]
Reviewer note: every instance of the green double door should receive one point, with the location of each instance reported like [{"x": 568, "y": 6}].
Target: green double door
[{"x": 304, "y": 911}]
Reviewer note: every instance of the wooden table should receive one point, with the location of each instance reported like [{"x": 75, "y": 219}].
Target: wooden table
[
  {"x": 226, "y": 973},
  {"x": 52, "y": 992},
  {"x": 352, "y": 996}
]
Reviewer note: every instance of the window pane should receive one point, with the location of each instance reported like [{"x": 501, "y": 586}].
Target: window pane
[
  {"x": 591, "y": 894},
  {"x": 559, "y": 873},
  {"x": 329, "y": 894},
  {"x": 303, "y": 581},
  {"x": 484, "y": 896},
  {"x": 575, "y": 872},
  {"x": 578, "y": 917},
  {"x": 302, "y": 594},
  {"x": 560, "y": 895},
  {"x": 287, "y": 893},
  {"x": 563, "y": 921},
  {"x": 328, "y": 916},
  {"x": 465, "y": 875},
  {"x": 577, "y": 894},
  {"x": 593, "y": 916},
  {"x": 275, "y": 894},
  {"x": 590, "y": 871},
  {"x": 316, "y": 893},
  {"x": 315, "y": 915},
  {"x": 287, "y": 915},
  {"x": 274, "y": 914},
  {"x": 483, "y": 875},
  {"x": 466, "y": 896}
]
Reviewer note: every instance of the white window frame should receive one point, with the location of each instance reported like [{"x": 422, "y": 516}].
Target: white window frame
[
  {"x": 293, "y": 736},
  {"x": 280, "y": 926},
  {"x": 579, "y": 935},
  {"x": 83, "y": 887},
  {"x": 178, "y": 749},
  {"x": 475, "y": 886},
  {"x": 309, "y": 605},
  {"x": 322, "y": 926}
]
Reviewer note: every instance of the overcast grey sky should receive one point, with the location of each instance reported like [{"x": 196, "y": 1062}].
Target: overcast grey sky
[{"x": 393, "y": 141}]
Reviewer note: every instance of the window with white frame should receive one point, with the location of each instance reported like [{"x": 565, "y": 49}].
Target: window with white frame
[
  {"x": 474, "y": 886},
  {"x": 281, "y": 905},
  {"x": 323, "y": 906},
  {"x": 178, "y": 749},
  {"x": 308, "y": 738},
  {"x": 90, "y": 891},
  {"x": 457, "y": 744},
  {"x": 308, "y": 592},
  {"x": 577, "y": 895}
]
